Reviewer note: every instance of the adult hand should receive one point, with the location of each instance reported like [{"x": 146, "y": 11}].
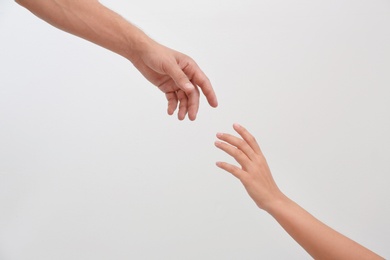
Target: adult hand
[
  {"x": 254, "y": 173},
  {"x": 175, "y": 74}
]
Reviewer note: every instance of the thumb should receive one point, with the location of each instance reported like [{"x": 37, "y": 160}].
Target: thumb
[{"x": 180, "y": 78}]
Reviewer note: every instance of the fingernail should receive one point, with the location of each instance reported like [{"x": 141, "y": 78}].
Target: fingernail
[
  {"x": 216, "y": 143},
  {"x": 219, "y": 134},
  {"x": 188, "y": 86},
  {"x": 235, "y": 125}
]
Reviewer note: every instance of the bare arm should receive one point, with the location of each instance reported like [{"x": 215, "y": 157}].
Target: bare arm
[
  {"x": 319, "y": 240},
  {"x": 174, "y": 73}
]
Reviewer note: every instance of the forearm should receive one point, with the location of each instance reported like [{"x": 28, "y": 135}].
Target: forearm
[
  {"x": 92, "y": 21},
  {"x": 319, "y": 240}
]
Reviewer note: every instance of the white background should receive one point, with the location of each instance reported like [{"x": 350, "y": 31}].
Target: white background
[{"x": 91, "y": 167}]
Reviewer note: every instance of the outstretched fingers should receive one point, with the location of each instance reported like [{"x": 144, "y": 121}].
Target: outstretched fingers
[
  {"x": 239, "y": 143},
  {"x": 244, "y": 150},
  {"x": 234, "y": 152}
]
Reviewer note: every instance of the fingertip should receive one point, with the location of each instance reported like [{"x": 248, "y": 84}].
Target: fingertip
[
  {"x": 215, "y": 103},
  {"x": 208, "y": 91},
  {"x": 170, "y": 111},
  {"x": 172, "y": 102},
  {"x": 192, "y": 112},
  {"x": 181, "y": 115},
  {"x": 236, "y": 126},
  {"x": 219, "y": 135},
  {"x": 192, "y": 117}
]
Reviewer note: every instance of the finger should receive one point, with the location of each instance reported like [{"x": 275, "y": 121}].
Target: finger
[
  {"x": 234, "y": 170},
  {"x": 236, "y": 153},
  {"x": 200, "y": 79},
  {"x": 250, "y": 139},
  {"x": 179, "y": 77},
  {"x": 183, "y": 104},
  {"x": 193, "y": 104},
  {"x": 183, "y": 82},
  {"x": 239, "y": 143},
  {"x": 172, "y": 102}
]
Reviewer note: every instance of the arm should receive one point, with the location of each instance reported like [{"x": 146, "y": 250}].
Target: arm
[
  {"x": 319, "y": 240},
  {"x": 174, "y": 73}
]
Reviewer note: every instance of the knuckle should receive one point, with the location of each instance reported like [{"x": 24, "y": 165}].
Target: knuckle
[
  {"x": 203, "y": 80},
  {"x": 245, "y": 179},
  {"x": 251, "y": 138},
  {"x": 260, "y": 160},
  {"x": 181, "y": 95},
  {"x": 237, "y": 153},
  {"x": 241, "y": 143}
]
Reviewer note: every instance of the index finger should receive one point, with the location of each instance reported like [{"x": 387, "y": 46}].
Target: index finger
[
  {"x": 250, "y": 139},
  {"x": 200, "y": 79}
]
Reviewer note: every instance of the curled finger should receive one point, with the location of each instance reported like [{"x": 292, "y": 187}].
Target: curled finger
[
  {"x": 183, "y": 106},
  {"x": 172, "y": 102},
  {"x": 193, "y": 102}
]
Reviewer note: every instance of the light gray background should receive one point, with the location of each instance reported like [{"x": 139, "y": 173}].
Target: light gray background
[{"x": 91, "y": 167}]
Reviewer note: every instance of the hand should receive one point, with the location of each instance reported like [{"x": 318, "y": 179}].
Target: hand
[
  {"x": 177, "y": 75},
  {"x": 174, "y": 73},
  {"x": 254, "y": 173}
]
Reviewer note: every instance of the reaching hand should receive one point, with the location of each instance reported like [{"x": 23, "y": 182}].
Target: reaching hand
[
  {"x": 177, "y": 75},
  {"x": 318, "y": 239},
  {"x": 254, "y": 173},
  {"x": 174, "y": 73}
]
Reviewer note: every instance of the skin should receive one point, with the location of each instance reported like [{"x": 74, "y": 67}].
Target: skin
[
  {"x": 319, "y": 240},
  {"x": 174, "y": 73}
]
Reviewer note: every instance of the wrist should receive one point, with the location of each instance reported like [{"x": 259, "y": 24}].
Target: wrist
[
  {"x": 278, "y": 202},
  {"x": 137, "y": 43}
]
